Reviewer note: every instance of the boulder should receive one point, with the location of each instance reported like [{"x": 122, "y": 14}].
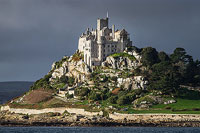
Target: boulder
[{"x": 170, "y": 101}]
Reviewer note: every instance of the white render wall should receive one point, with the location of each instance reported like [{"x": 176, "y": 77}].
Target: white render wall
[
  {"x": 100, "y": 43},
  {"x": 47, "y": 110}
]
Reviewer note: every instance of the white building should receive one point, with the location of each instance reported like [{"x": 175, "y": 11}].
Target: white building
[{"x": 99, "y": 43}]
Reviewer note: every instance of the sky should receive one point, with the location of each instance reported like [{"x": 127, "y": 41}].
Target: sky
[{"x": 36, "y": 33}]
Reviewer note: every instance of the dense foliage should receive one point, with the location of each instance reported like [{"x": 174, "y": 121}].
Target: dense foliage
[
  {"x": 167, "y": 72},
  {"x": 42, "y": 83}
]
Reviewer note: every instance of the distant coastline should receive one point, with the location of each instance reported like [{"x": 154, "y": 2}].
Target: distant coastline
[{"x": 12, "y": 89}]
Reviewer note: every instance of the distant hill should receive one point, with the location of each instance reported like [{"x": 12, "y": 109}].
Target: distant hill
[{"x": 9, "y": 90}]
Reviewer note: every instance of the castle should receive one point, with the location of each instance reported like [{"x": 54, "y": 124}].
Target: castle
[{"x": 99, "y": 43}]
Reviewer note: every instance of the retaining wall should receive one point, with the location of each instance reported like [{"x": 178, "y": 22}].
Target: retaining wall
[{"x": 47, "y": 110}]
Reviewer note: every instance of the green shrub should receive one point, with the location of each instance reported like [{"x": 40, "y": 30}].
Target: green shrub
[
  {"x": 69, "y": 95},
  {"x": 195, "y": 109},
  {"x": 63, "y": 79},
  {"x": 168, "y": 107},
  {"x": 78, "y": 56},
  {"x": 113, "y": 99},
  {"x": 81, "y": 91},
  {"x": 59, "y": 63},
  {"x": 145, "y": 98},
  {"x": 105, "y": 113},
  {"x": 70, "y": 81},
  {"x": 114, "y": 78},
  {"x": 42, "y": 83},
  {"x": 94, "y": 96},
  {"x": 123, "y": 100}
]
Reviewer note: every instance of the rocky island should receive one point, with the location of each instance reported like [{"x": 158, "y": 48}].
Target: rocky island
[{"x": 110, "y": 82}]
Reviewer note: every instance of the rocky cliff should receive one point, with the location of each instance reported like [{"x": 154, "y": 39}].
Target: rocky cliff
[{"x": 116, "y": 65}]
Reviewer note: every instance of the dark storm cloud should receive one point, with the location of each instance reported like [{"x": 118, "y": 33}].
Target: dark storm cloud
[{"x": 35, "y": 33}]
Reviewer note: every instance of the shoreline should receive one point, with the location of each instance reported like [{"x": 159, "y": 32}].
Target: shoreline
[
  {"x": 72, "y": 120},
  {"x": 100, "y": 124},
  {"x": 70, "y": 117}
]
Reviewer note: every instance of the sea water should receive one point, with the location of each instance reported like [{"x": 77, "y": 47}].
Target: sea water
[{"x": 99, "y": 130}]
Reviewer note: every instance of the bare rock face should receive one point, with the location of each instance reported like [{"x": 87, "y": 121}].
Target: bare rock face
[
  {"x": 129, "y": 60},
  {"x": 136, "y": 82},
  {"x": 113, "y": 66},
  {"x": 121, "y": 63},
  {"x": 139, "y": 83},
  {"x": 135, "y": 54},
  {"x": 170, "y": 101},
  {"x": 72, "y": 68}
]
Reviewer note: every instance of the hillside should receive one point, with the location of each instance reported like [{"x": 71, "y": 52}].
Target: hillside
[
  {"x": 138, "y": 80},
  {"x": 10, "y": 90}
]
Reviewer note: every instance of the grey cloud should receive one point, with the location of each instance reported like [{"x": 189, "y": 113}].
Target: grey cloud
[{"x": 35, "y": 33}]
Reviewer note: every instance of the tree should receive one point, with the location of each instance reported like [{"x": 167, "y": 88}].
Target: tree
[
  {"x": 149, "y": 56},
  {"x": 163, "y": 56},
  {"x": 164, "y": 77},
  {"x": 180, "y": 55},
  {"x": 184, "y": 63}
]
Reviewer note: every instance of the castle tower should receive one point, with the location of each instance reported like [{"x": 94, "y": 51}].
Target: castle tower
[
  {"x": 101, "y": 23},
  {"x": 102, "y": 42}
]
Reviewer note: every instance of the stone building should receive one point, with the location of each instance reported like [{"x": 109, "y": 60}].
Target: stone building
[{"x": 99, "y": 43}]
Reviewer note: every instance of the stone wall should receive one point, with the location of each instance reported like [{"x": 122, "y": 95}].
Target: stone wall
[
  {"x": 47, "y": 110},
  {"x": 114, "y": 116},
  {"x": 155, "y": 117}
]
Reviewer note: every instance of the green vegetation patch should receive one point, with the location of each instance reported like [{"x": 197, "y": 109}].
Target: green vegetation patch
[
  {"x": 78, "y": 56},
  {"x": 59, "y": 63},
  {"x": 117, "y": 55},
  {"x": 42, "y": 83}
]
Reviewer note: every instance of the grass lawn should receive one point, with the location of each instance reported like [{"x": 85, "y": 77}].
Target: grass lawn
[{"x": 182, "y": 106}]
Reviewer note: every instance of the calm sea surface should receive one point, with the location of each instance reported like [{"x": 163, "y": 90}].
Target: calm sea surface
[{"x": 98, "y": 130}]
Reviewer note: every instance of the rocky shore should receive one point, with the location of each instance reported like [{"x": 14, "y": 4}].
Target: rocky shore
[{"x": 57, "y": 119}]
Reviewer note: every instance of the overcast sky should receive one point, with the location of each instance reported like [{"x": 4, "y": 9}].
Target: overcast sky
[{"x": 35, "y": 33}]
